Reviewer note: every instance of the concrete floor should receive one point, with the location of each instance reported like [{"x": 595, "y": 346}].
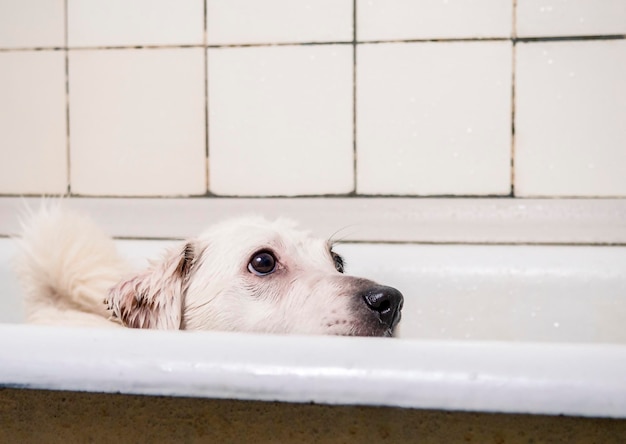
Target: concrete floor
[{"x": 37, "y": 416}]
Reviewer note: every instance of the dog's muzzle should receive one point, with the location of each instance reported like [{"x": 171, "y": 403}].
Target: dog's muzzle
[{"x": 385, "y": 302}]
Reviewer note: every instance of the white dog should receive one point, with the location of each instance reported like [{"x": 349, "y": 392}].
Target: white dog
[{"x": 247, "y": 275}]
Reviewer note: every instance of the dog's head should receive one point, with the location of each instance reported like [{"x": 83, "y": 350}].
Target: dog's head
[{"x": 257, "y": 276}]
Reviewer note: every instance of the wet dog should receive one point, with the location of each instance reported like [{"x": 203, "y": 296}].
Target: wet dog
[{"x": 247, "y": 274}]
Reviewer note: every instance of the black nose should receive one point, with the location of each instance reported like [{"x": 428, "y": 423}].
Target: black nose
[{"x": 386, "y": 302}]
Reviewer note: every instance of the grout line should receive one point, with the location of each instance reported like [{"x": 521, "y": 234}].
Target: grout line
[
  {"x": 395, "y": 242},
  {"x": 346, "y": 196},
  {"x": 417, "y": 242},
  {"x": 435, "y": 40},
  {"x": 354, "y": 93},
  {"x": 262, "y": 45},
  {"x": 67, "y": 105},
  {"x": 513, "y": 137},
  {"x": 364, "y": 42},
  {"x": 572, "y": 38},
  {"x": 486, "y": 243},
  {"x": 206, "y": 102},
  {"x": 513, "y": 90},
  {"x": 498, "y": 39},
  {"x": 38, "y": 48}
]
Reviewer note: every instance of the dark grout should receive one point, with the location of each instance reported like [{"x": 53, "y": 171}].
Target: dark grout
[
  {"x": 513, "y": 139},
  {"x": 392, "y": 242},
  {"x": 487, "y": 243},
  {"x": 513, "y": 39},
  {"x": 349, "y": 195},
  {"x": 425, "y": 243},
  {"x": 354, "y": 92},
  {"x": 67, "y": 102},
  {"x": 573, "y": 38},
  {"x": 206, "y": 102}
]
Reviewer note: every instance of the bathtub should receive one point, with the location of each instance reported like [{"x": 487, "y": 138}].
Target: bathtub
[{"x": 496, "y": 319}]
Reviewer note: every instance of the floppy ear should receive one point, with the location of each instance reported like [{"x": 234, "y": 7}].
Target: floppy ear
[{"x": 154, "y": 298}]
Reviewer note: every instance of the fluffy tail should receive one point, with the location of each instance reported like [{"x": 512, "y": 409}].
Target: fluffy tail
[{"x": 65, "y": 261}]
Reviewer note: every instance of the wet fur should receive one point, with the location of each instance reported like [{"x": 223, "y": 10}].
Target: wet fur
[{"x": 67, "y": 267}]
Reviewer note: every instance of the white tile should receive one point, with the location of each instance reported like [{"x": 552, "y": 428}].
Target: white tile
[
  {"x": 135, "y": 22},
  {"x": 433, "y": 19},
  {"x": 32, "y": 23},
  {"x": 434, "y": 118},
  {"x": 570, "y": 17},
  {"x": 570, "y": 119},
  {"x": 279, "y": 21},
  {"x": 33, "y": 130},
  {"x": 280, "y": 120},
  {"x": 137, "y": 122}
]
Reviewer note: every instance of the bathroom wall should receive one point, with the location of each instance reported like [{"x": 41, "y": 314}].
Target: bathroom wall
[{"x": 521, "y": 98}]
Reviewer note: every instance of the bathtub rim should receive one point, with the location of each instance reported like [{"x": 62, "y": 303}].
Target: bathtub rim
[{"x": 500, "y": 377}]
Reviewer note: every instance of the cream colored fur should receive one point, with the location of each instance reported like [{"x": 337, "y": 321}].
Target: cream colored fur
[{"x": 68, "y": 267}]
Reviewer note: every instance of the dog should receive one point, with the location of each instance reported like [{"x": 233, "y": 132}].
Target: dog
[{"x": 247, "y": 274}]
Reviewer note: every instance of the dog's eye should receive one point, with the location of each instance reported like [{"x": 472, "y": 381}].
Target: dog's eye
[
  {"x": 262, "y": 263},
  {"x": 338, "y": 261}
]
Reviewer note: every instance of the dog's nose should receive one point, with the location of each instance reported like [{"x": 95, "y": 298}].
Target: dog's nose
[{"x": 386, "y": 302}]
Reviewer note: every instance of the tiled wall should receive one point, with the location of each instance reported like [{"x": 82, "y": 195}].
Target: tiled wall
[{"x": 315, "y": 97}]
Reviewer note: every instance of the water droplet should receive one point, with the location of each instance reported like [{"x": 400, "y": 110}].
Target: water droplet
[
  {"x": 550, "y": 61},
  {"x": 556, "y": 325},
  {"x": 469, "y": 130}
]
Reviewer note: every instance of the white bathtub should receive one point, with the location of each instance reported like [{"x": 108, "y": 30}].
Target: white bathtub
[{"x": 497, "y": 328}]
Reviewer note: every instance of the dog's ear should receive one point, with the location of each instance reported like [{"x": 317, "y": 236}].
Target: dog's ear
[{"x": 154, "y": 298}]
